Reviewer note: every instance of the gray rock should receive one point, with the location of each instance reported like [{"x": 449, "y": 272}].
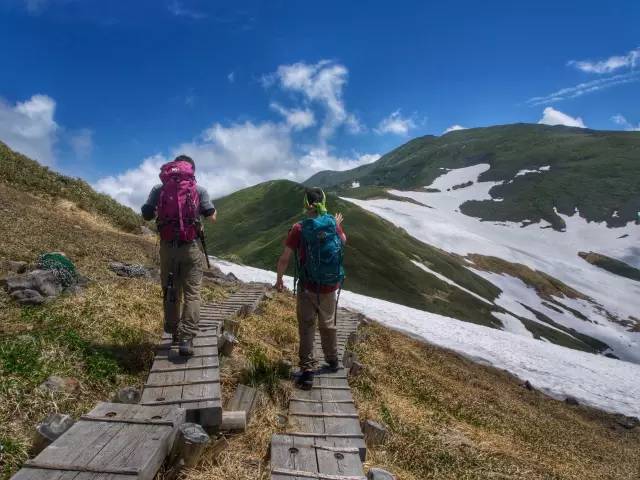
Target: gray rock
[
  {"x": 627, "y": 422},
  {"x": 528, "y": 386},
  {"x": 380, "y": 474},
  {"x": 144, "y": 230},
  {"x": 356, "y": 368},
  {"x": 52, "y": 427},
  {"x": 130, "y": 270},
  {"x": 43, "y": 281},
  {"x": 374, "y": 433},
  {"x": 128, "y": 395},
  {"x": 60, "y": 384},
  {"x": 14, "y": 266},
  {"x": 571, "y": 400},
  {"x": 27, "y": 297}
]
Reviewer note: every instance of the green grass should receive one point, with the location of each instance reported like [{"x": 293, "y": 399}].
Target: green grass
[
  {"x": 596, "y": 172},
  {"x": 29, "y": 176},
  {"x": 611, "y": 265},
  {"x": 253, "y": 223}
]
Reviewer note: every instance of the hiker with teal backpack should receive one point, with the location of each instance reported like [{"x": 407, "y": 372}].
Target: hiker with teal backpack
[
  {"x": 317, "y": 243},
  {"x": 177, "y": 204}
]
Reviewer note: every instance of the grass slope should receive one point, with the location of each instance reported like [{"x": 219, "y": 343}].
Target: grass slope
[
  {"x": 595, "y": 171},
  {"x": 29, "y": 176},
  {"x": 253, "y": 223},
  {"x": 612, "y": 265}
]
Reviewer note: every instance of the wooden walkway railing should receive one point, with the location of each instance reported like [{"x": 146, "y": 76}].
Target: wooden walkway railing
[{"x": 323, "y": 439}]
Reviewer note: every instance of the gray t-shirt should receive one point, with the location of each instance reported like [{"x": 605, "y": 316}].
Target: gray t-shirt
[{"x": 149, "y": 208}]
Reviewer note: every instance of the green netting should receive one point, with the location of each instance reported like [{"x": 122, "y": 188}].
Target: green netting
[{"x": 63, "y": 268}]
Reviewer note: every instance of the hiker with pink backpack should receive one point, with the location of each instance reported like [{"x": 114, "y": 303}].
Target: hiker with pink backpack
[{"x": 177, "y": 204}]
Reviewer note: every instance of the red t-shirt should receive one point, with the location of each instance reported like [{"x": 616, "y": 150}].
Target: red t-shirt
[{"x": 294, "y": 242}]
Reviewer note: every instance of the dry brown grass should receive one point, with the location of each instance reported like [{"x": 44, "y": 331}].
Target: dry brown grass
[
  {"x": 545, "y": 285},
  {"x": 273, "y": 331},
  {"x": 451, "y": 418}
]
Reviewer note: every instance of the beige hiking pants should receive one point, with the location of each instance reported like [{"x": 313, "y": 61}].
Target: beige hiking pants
[
  {"x": 185, "y": 261},
  {"x": 308, "y": 309}
]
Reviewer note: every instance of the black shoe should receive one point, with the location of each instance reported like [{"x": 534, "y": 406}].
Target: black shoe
[
  {"x": 186, "y": 348},
  {"x": 333, "y": 366},
  {"x": 305, "y": 381}
]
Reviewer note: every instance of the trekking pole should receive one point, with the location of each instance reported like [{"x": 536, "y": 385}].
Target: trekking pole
[{"x": 204, "y": 244}]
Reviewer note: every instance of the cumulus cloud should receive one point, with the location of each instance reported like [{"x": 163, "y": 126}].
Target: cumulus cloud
[
  {"x": 453, "y": 128},
  {"x": 29, "y": 127},
  {"x": 551, "y": 116},
  {"x": 624, "y": 123},
  {"x": 321, "y": 83},
  {"x": 232, "y": 157},
  {"x": 608, "y": 65},
  {"x": 81, "y": 142},
  {"x": 298, "y": 119},
  {"x": 395, "y": 123}
]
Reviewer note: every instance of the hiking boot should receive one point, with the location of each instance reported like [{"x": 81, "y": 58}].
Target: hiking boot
[
  {"x": 305, "y": 381},
  {"x": 186, "y": 348},
  {"x": 332, "y": 366}
]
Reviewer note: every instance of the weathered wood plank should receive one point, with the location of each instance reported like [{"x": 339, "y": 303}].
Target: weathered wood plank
[{"x": 130, "y": 442}]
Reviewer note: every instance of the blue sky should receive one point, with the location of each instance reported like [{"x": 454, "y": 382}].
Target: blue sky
[{"x": 259, "y": 90}]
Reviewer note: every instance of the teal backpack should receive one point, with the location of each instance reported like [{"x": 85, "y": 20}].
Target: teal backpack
[{"x": 323, "y": 251}]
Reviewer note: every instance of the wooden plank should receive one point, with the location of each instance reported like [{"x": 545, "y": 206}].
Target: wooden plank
[
  {"x": 119, "y": 441},
  {"x": 244, "y": 398}
]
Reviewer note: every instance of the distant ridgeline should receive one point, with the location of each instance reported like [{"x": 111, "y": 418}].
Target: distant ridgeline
[
  {"x": 597, "y": 172},
  {"x": 28, "y": 175}
]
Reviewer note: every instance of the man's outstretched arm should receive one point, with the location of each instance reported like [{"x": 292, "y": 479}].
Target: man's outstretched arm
[{"x": 283, "y": 264}]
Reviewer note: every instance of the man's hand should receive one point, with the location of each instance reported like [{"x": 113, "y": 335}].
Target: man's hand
[
  {"x": 279, "y": 284},
  {"x": 214, "y": 217},
  {"x": 339, "y": 218}
]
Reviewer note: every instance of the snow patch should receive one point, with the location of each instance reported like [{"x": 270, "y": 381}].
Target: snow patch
[
  {"x": 355, "y": 184},
  {"x": 449, "y": 281},
  {"x": 598, "y": 381}
]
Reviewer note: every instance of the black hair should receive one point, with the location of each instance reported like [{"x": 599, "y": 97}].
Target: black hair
[
  {"x": 314, "y": 195},
  {"x": 185, "y": 158}
]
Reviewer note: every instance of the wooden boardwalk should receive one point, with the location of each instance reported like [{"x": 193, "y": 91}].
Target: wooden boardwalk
[
  {"x": 323, "y": 439},
  {"x": 193, "y": 383},
  {"x": 114, "y": 441}
]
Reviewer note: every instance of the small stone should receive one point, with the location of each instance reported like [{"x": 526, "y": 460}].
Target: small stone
[
  {"x": 374, "y": 433},
  {"x": 348, "y": 358},
  {"x": 571, "y": 400},
  {"x": 380, "y": 474},
  {"x": 128, "y": 395},
  {"x": 43, "y": 281},
  {"x": 528, "y": 386},
  {"x": 627, "y": 422},
  {"x": 60, "y": 384},
  {"x": 356, "y": 368},
  {"x": 27, "y": 297},
  {"x": 144, "y": 230},
  {"x": 281, "y": 420},
  {"x": 130, "y": 270},
  {"x": 352, "y": 340},
  {"x": 14, "y": 266},
  {"x": 77, "y": 227},
  {"x": 52, "y": 427}
]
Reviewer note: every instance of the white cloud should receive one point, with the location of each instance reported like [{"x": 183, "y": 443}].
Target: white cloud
[
  {"x": 29, "y": 127},
  {"x": 177, "y": 9},
  {"x": 585, "y": 88},
  {"x": 297, "y": 119},
  {"x": 82, "y": 142},
  {"x": 322, "y": 83},
  {"x": 608, "y": 65},
  {"x": 35, "y": 6},
  {"x": 453, "y": 128},
  {"x": 395, "y": 123},
  {"x": 234, "y": 156},
  {"x": 231, "y": 77},
  {"x": 624, "y": 123},
  {"x": 551, "y": 116}
]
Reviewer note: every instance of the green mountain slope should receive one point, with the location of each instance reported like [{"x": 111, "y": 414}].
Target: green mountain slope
[
  {"x": 598, "y": 172},
  {"x": 29, "y": 176},
  {"x": 254, "y": 222}
]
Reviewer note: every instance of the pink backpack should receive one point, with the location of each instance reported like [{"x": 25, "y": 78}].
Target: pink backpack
[{"x": 179, "y": 202}]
